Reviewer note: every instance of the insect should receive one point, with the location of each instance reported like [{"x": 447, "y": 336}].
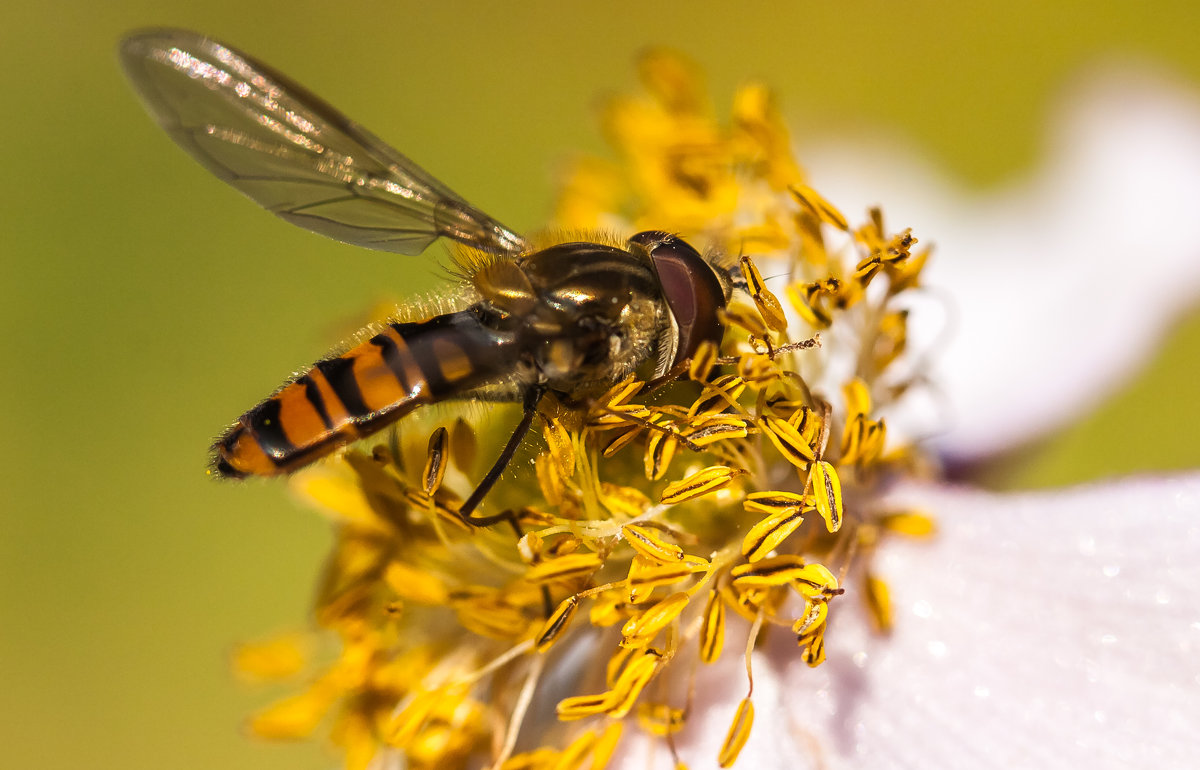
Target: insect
[{"x": 565, "y": 319}]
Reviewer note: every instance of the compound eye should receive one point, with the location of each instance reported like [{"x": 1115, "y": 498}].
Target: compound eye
[{"x": 690, "y": 287}]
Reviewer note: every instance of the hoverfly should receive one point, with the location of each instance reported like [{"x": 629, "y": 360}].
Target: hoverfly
[{"x": 561, "y": 319}]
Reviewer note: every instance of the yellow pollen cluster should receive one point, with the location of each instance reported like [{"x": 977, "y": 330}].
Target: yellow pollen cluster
[{"x": 652, "y": 526}]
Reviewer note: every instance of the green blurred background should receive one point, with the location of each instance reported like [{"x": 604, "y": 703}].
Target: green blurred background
[{"x": 145, "y": 304}]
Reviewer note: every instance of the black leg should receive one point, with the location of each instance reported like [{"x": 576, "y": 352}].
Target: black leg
[{"x": 530, "y": 402}]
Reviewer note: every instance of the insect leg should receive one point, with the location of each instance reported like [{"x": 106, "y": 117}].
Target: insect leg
[{"x": 530, "y": 402}]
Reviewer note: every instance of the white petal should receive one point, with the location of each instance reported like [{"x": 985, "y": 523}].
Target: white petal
[
  {"x": 1062, "y": 281},
  {"x": 1052, "y": 631}
]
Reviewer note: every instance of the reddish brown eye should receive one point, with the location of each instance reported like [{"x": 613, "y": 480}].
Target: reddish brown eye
[{"x": 691, "y": 288}]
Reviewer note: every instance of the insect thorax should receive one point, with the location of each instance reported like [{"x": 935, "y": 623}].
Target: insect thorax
[{"x": 582, "y": 313}]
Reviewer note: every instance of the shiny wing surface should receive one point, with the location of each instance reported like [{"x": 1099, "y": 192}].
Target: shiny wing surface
[{"x": 294, "y": 154}]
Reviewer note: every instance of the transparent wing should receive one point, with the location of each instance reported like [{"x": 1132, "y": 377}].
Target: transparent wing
[{"x": 294, "y": 154}]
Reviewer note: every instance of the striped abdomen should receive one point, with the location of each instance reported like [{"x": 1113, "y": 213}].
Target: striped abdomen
[{"x": 352, "y": 395}]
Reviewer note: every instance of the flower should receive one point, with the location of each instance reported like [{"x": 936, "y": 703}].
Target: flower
[
  {"x": 1050, "y": 629},
  {"x": 675, "y": 553}
]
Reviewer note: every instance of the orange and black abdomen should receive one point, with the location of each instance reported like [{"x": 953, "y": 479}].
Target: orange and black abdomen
[{"x": 352, "y": 395}]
